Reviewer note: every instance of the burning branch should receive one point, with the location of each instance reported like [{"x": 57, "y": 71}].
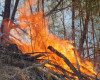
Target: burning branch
[
  {"x": 76, "y": 73},
  {"x": 67, "y": 62},
  {"x": 78, "y": 66},
  {"x": 64, "y": 71}
]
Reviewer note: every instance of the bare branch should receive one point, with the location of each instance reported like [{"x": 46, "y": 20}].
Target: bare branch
[{"x": 54, "y": 8}]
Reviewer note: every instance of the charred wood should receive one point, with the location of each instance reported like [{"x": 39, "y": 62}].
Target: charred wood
[
  {"x": 13, "y": 51},
  {"x": 58, "y": 66},
  {"x": 66, "y": 61}
]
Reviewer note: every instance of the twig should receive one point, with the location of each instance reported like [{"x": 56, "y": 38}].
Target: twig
[
  {"x": 37, "y": 52},
  {"x": 67, "y": 75},
  {"x": 91, "y": 76},
  {"x": 61, "y": 75},
  {"x": 58, "y": 66},
  {"x": 20, "y": 56},
  {"x": 54, "y": 8},
  {"x": 32, "y": 58},
  {"x": 78, "y": 66}
]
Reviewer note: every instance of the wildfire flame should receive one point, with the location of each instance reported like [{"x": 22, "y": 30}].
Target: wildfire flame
[{"x": 32, "y": 35}]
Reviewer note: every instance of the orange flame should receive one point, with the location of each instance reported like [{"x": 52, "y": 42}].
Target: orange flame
[{"x": 32, "y": 35}]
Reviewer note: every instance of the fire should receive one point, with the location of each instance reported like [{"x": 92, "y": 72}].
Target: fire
[{"x": 32, "y": 35}]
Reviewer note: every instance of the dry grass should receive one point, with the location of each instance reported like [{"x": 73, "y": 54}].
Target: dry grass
[
  {"x": 36, "y": 73},
  {"x": 14, "y": 69}
]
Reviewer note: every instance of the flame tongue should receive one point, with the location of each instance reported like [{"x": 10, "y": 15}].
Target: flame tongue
[{"x": 36, "y": 38}]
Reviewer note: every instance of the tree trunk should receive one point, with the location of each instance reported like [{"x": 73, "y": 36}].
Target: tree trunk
[
  {"x": 38, "y": 5},
  {"x": 84, "y": 32},
  {"x": 73, "y": 18},
  {"x": 5, "y": 17},
  {"x": 63, "y": 21},
  {"x": 87, "y": 47},
  {"x": 15, "y": 9}
]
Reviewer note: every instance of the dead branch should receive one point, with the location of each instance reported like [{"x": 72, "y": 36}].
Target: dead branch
[
  {"x": 62, "y": 76},
  {"x": 30, "y": 67},
  {"x": 54, "y": 8},
  {"x": 25, "y": 57},
  {"x": 66, "y": 61},
  {"x": 32, "y": 58},
  {"x": 37, "y": 52},
  {"x": 78, "y": 66},
  {"x": 91, "y": 76},
  {"x": 63, "y": 70},
  {"x": 14, "y": 53},
  {"x": 59, "y": 67}
]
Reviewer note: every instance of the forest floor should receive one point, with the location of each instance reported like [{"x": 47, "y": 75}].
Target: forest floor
[
  {"x": 12, "y": 68},
  {"x": 14, "y": 65}
]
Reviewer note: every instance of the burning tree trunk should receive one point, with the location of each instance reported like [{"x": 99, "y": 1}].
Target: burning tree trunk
[{"x": 5, "y": 17}]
